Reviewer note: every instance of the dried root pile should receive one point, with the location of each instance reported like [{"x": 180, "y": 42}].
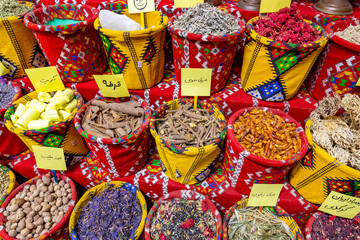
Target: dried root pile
[{"x": 336, "y": 128}]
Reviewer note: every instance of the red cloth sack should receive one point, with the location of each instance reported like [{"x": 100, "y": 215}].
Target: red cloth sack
[
  {"x": 243, "y": 169},
  {"x": 122, "y": 156},
  {"x": 339, "y": 67},
  {"x": 75, "y": 49}
]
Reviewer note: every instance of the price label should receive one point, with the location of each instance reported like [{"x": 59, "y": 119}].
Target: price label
[
  {"x": 358, "y": 83},
  {"x": 3, "y": 69},
  {"x": 139, "y": 6},
  {"x": 112, "y": 85},
  {"x": 273, "y": 5},
  {"x": 196, "y": 81},
  {"x": 46, "y": 79},
  {"x": 341, "y": 205},
  {"x": 49, "y": 158},
  {"x": 264, "y": 195},
  {"x": 186, "y": 3}
]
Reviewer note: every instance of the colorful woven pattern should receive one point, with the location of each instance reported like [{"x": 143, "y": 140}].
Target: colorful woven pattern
[
  {"x": 187, "y": 165},
  {"x": 124, "y": 156},
  {"x": 274, "y": 71},
  {"x": 244, "y": 169},
  {"x": 205, "y": 51},
  {"x": 278, "y": 211},
  {"x": 319, "y": 173},
  {"x": 61, "y": 135},
  {"x": 91, "y": 193},
  {"x": 74, "y": 49},
  {"x": 138, "y": 55}
]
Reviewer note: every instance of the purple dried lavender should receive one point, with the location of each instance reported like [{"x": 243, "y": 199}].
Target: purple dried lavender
[
  {"x": 324, "y": 228},
  {"x": 112, "y": 214}
]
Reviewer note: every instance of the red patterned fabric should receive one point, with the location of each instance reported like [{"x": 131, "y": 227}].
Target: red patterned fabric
[
  {"x": 243, "y": 169},
  {"x": 93, "y": 3},
  {"x": 124, "y": 156},
  {"x": 76, "y": 50}
]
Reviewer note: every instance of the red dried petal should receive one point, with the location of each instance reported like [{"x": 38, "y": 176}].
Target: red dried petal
[
  {"x": 204, "y": 206},
  {"x": 188, "y": 223},
  {"x": 162, "y": 236}
]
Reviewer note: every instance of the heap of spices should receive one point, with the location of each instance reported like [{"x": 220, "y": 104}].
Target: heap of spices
[
  {"x": 206, "y": 19},
  {"x": 37, "y": 208},
  {"x": 336, "y": 128},
  {"x": 4, "y": 182},
  {"x": 329, "y": 228},
  {"x": 189, "y": 127},
  {"x": 111, "y": 119},
  {"x": 266, "y": 134},
  {"x": 183, "y": 219},
  {"x": 111, "y": 214},
  {"x": 351, "y": 34},
  {"x": 10, "y": 8},
  {"x": 251, "y": 224},
  {"x": 286, "y": 25},
  {"x": 7, "y": 93}
]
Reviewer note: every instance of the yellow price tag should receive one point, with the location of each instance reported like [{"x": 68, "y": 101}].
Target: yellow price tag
[
  {"x": 49, "y": 158},
  {"x": 138, "y": 6},
  {"x": 3, "y": 69},
  {"x": 264, "y": 195},
  {"x": 186, "y": 3},
  {"x": 196, "y": 81},
  {"x": 112, "y": 85},
  {"x": 341, "y": 205},
  {"x": 273, "y": 5},
  {"x": 358, "y": 83},
  {"x": 46, "y": 79}
]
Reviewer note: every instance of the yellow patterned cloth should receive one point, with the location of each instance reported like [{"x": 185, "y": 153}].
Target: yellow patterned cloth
[
  {"x": 62, "y": 135},
  {"x": 319, "y": 173},
  {"x": 188, "y": 165},
  {"x": 138, "y": 55},
  {"x": 274, "y": 71},
  {"x": 91, "y": 193},
  {"x": 18, "y": 47}
]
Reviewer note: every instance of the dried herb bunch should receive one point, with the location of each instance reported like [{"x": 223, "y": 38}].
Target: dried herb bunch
[
  {"x": 4, "y": 182},
  {"x": 336, "y": 128},
  {"x": 113, "y": 120},
  {"x": 111, "y": 214},
  {"x": 266, "y": 134},
  {"x": 351, "y": 34},
  {"x": 183, "y": 219},
  {"x": 252, "y": 224},
  {"x": 337, "y": 228},
  {"x": 7, "y": 93},
  {"x": 206, "y": 19},
  {"x": 10, "y": 8},
  {"x": 189, "y": 127}
]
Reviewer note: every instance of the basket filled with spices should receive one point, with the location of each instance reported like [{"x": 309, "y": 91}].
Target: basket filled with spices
[
  {"x": 205, "y": 37},
  {"x": 11, "y": 144},
  {"x": 126, "y": 42},
  {"x": 262, "y": 146},
  {"x": 112, "y": 210},
  {"x": 188, "y": 140},
  {"x": 333, "y": 160},
  {"x": 46, "y": 119},
  {"x": 7, "y": 182},
  {"x": 117, "y": 132},
  {"x": 38, "y": 209},
  {"x": 18, "y": 46},
  {"x": 183, "y": 214},
  {"x": 68, "y": 40},
  {"x": 325, "y": 226},
  {"x": 339, "y": 68},
  {"x": 247, "y": 223},
  {"x": 280, "y": 51}
]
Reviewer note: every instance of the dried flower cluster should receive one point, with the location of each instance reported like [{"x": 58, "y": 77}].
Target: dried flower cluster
[
  {"x": 111, "y": 214},
  {"x": 37, "y": 208},
  {"x": 286, "y": 25},
  {"x": 4, "y": 182},
  {"x": 336, "y": 128},
  {"x": 351, "y": 34},
  {"x": 206, "y": 19},
  {"x": 7, "y": 93},
  {"x": 10, "y": 8}
]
